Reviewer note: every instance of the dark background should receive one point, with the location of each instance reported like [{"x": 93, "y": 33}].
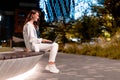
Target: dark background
[
  {"x": 12, "y": 12},
  {"x": 14, "y": 4}
]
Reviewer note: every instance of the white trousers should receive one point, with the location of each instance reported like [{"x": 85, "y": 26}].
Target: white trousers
[{"x": 47, "y": 46}]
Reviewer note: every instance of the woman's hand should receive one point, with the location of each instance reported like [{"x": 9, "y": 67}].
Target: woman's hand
[{"x": 46, "y": 41}]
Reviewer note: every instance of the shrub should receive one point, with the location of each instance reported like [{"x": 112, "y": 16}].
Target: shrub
[{"x": 109, "y": 50}]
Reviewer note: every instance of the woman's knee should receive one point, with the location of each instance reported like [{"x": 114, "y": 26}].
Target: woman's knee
[
  {"x": 55, "y": 44},
  {"x": 36, "y": 48}
]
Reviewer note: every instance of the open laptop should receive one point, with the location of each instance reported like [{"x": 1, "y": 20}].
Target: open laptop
[{"x": 55, "y": 40}]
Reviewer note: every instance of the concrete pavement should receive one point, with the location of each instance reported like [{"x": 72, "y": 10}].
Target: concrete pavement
[{"x": 76, "y": 67}]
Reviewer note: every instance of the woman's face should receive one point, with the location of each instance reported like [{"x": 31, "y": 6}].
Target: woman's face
[{"x": 36, "y": 16}]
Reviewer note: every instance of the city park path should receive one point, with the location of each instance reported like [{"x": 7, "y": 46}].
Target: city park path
[{"x": 75, "y": 67}]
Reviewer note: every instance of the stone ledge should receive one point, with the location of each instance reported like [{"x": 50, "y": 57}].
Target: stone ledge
[
  {"x": 17, "y": 62},
  {"x": 18, "y": 54}
]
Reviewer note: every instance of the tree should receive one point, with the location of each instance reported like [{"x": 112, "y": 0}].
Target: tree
[
  {"x": 113, "y": 7},
  {"x": 90, "y": 27}
]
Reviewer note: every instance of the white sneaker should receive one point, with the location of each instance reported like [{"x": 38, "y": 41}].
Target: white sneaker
[{"x": 52, "y": 68}]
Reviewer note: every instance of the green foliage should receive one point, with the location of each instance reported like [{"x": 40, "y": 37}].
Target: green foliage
[
  {"x": 90, "y": 26},
  {"x": 108, "y": 50},
  {"x": 109, "y": 13},
  {"x": 70, "y": 48},
  {"x": 110, "y": 7}
]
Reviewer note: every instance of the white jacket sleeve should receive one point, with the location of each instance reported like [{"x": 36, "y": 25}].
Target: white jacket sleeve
[{"x": 32, "y": 34}]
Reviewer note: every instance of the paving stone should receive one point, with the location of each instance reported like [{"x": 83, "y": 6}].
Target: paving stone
[{"x": 77, "y": 67}]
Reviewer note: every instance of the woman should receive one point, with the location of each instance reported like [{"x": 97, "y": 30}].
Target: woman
[{"x": 33, "y": 42}]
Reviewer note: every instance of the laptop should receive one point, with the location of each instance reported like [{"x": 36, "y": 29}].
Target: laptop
[{"x": 53, "y": 41}]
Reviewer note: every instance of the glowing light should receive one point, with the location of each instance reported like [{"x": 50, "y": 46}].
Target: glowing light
[
  {"x": 0, "y": 17},
  {"x": 75, "y": 11},
  {"x": 26, "y": 74}
]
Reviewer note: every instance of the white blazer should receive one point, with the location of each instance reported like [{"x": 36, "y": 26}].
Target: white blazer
[{"x": 30, "y": 36}]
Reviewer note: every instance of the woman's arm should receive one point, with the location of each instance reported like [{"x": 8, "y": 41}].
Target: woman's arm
[
  {"x": 46, "y": 41},
  {"x": 32, "y": 35}
]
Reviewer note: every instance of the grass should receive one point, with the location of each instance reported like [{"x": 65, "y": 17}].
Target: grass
[{"x": 5, "y": 49}]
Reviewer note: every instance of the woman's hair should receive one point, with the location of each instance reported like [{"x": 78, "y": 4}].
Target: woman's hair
[{"x": 29, "y": 16}]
